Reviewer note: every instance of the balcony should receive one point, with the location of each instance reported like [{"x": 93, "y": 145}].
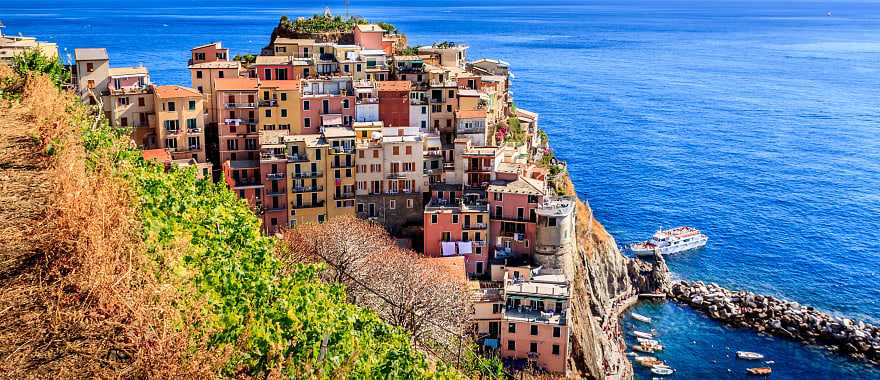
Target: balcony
[
  {"x": 193, "y": 130},
  {"x": 307, "y": 189},
  {"x": 475, "y": 226},
  {"x": 396, "y": 175},
  {"x": 280, "y": 207},
  {"x": 341, "y": 196},
  {"x": 230, "y": 106},
  {"x": 342, "y": 165},
  {"x": 268, "y": 103},
  {"x": 275, "y": 176},
  {"x": 268, "y": 156},
  {"x": 306, "y": 175},
  {"x": 343, "y": 150},
  {"x": 297, "y": 157},
  {"x": 302, "y": 206},
  {"x": 418, "y": 102},
  {"x": 172, "y": 131},
  {"x": 275, "y": 192},
  {"x": 367, "y": 101},
  {"x": 247, "y": 182}
]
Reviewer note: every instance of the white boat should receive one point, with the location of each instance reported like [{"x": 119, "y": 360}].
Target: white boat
[
  {"x": 748, "y": 355},
  {"x": 648, "y": 341},
  {"x": 661, "y": 370},
  {"x": 643, "y": 335},
  {"x": 641, "y": 318},
  {"x": 670, "y": 241}
]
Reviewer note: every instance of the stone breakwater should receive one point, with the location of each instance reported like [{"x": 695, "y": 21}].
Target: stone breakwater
[{"x": 781, "y": 318}]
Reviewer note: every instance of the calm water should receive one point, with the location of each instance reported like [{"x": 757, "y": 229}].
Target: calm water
[{"x": 755, "y": 121}]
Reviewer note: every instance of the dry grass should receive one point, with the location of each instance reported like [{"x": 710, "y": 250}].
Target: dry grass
[{"x": 78, "y": 296}]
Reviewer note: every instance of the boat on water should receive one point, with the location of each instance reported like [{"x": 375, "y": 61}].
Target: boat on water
[
  {"x": 662, "y": 370},
  {"x": 748, "y": 355},
  {"x": 642, "y": 334},
  {"x": 666, "y": 242},
  {"x": 641, "y": 318},
  {"x": 648, "y": 341},
  {"x": 759, "y": 371},
  {"x": 649, "y": 361}
]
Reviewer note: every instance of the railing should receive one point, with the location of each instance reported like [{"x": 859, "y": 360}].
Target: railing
[
  {"x": 301, "y": 206},
  {"x": 342, "y": 165},
  {"x": 232, "y": 122},
  {"x": 275, "y": 176},
  {"x": 252, "y": 181},
  {"x": 297, "y": 157},
  {"x": 307, "y": 175},
  {"x": 172, "y": 131},
  {"x": 397, "y": 175},
  {"x": 194, "y": 130},
  {"x": 272, "y": 156},
  {"x": 343, "y": 150},
  {"x": 268, "y": 103},
  {"x": 340, "y": 196},
  {"x": 239, "y": 105},
  {"x": 307, "y": 189},
  {"x": 475, "y": 226},
  {"x": 367, "y": 101},
  {"x": 418, "y": 102}
]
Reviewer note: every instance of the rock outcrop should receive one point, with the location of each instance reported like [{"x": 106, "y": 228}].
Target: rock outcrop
[
  {"x": 781, "y": 318},
  {"x": 604, "y": 283}
]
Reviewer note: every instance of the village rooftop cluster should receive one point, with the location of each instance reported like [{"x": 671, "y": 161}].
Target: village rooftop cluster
[{"x": 428, "y": 144}]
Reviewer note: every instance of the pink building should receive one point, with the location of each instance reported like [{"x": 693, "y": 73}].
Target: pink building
[
  {"x": 535, "y": 322},
  {"x": 456, "y": 226},
  {"x": 212, "y": 52},
  {"x": 369, "y": 36},
  {"x": 327, "y": 102},
  {"x": 512, "y": 205}
]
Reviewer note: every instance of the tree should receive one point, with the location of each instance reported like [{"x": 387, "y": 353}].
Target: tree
[{"x": 34, "y": 61}]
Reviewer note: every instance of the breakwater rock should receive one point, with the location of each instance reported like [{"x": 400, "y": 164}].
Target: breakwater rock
[{"x": 781, "y": 318}]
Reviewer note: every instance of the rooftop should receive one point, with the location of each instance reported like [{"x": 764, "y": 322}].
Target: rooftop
[
  {"x": 468, "y": 92},
  {"x": 128, "y": 71},
  {"x": 169, "y": 92},
  {"x": 471, "y": 114},
  {"x": 553, "y": 286},
  {"x": 522, "y": 185},
  {"x": 394, "y": 85},
  {"x": 338, "y": 132},
  {"x": 216, "y": 44},
  {"x": 160, "y": 155},
  {"x": 369, "y": 28},
  {"x": 291, "y": 41},
  {"x": 451, "y": 265},
  {"x": 90, "y": 54},
  {"x": 311, "y": 140},
  {"x": 216, "y": 65}
]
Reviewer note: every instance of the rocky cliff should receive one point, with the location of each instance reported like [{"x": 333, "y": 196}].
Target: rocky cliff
[{"x": 604, "y": 283}]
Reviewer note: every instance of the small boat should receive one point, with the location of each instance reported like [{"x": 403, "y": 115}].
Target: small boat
[
  {"x": 759, "y": 371},
  {"x": 661, "y": 370},
  {"x": 648, "y": 361},
  {"x": 748, "y": 355},
  {"x": 648, "y": 341},
  {"x": 641, "y": 318},
  {"x": 642, "y": 334},
  {"x": 670, "y": 241},
  {"x": 631, "y": 354}
]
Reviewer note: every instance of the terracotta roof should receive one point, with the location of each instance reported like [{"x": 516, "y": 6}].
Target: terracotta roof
[
  {"x": 160, "y": 155},
  {"x": 226, "y": 84},
  {"x": 168, "y": 92},
  {"x": 127, "y": 71},
  {"x": 407, "y": 58},
  {"x": 471, "y": 114},
  {"x": 452, "y": 265},
  {"x": 292, "y": 84},
  {"x": 394, "y": 85},
  {"x": 369, "y": 28},
  {"x": 272, "y": 60}
]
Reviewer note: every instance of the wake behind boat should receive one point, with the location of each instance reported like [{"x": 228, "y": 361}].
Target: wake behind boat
[{"x": 670, "y": 241}]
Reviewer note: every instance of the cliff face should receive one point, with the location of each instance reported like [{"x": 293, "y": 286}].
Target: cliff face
[{"x": 604, "y": 283}]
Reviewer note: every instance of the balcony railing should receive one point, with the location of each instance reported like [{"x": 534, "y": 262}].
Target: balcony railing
[
  {"x": 340, "y": 196},
  {"x": 297, "y": 157},
  {"x": 268, "y": 103},
  {"x": 342, "y": 165},
  {"x": 313, "y": 205},
  {"x": 307, "y": 175},
  {"x": 475, "y": 226},
  {"x": 239, "y": 105},
  {"x": 275, "y": 176},
  {"x": 307, "y": 189},
  {"x": 343, "y": 149},
  {"x": 367, "y": 101},
  {"x": 172, "y": 131}
]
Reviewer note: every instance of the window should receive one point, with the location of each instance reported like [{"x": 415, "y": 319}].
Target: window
[
  {"x": 511, "y": 345},
  {"x": 496, "y": 308},
  {"x": 200, "y": 56},
  {"x": 307, "y": 122},
  {"x": 451, "y": 94},
  {"x": 449, "y": 108},
  {"x": 345, "y": 103},
  {"x": 409, "y": 203},
  {"x": 498, "y": 212},
  {"x": 408, "y": 150},
  {"x": 265, "y": 95},
  {"x": 192, "y": 105},
  {"x": 557, "y": 332},
  {"x": 172, "y": 107},
  {"x": 268, "y": 113},
  {"x": 220, "y": 74},
  {"x": 533, "y": 347},
  {"x": 171, "y": 143},
  {"x": 199, "y": 74},
  {"x": 497, "y": 196},
  {"x": 555, "y": 349},
  {"x": 392, "y": 204},
  {"x": 90, "y": 67},
  {"x": 123, "y": 122},
  {"x": 306, "y": 72},
  {"x": 283, "y": 96},
  {"x": 268, "y": 74},
  {"x": 479, "y": 267},
  {"x": 142, "y": 102},
  {"x": 424, "y": 110},
  {"x": 433, "y": 218},
  {"x": 358, "y": 67},
  {"x": 123, "y": 101},
  {"x": 551, "y": 222},
  {"x": 194, "y": 142},
  {"x": 306, "y": 105},
  {"x": 395, "y": 150},
  {"x": 454, "y": 218},
  {"x": 283, "y": 112},
  {"x": 534, "y": 330},
  {"x": 511, "y": 327},
  {"x": 191, "y": 124}
]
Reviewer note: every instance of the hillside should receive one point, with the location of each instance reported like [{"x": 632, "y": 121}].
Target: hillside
[{"x": 113, "y": 267}]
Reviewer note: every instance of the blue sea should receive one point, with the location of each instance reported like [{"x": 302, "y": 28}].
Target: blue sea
[{"x": 755, "y": 121}]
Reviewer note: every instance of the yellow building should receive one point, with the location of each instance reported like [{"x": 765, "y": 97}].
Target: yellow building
[
  {"x": 279, "y": 110},
  {"x": 321, "y": 175},
  {"x": 180, "y": 122},
  {"x": 204, "y": 76}
]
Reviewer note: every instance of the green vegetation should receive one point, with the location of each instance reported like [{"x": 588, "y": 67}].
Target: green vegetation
[
  {"x": 27, "y": 64},
  {"x": 320, "y": 24},
  {"x": 444, "y": 44},
  {"x": 292, "y": 324},
  {"x": 388, "y": 27},
  {"x": 409, "y": 50},
  {"x": 515, "y": 132},
  {"x": 245, "y": 58}
]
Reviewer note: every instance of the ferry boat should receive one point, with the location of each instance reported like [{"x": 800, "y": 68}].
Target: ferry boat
[{"x": 670, "y": 241}]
